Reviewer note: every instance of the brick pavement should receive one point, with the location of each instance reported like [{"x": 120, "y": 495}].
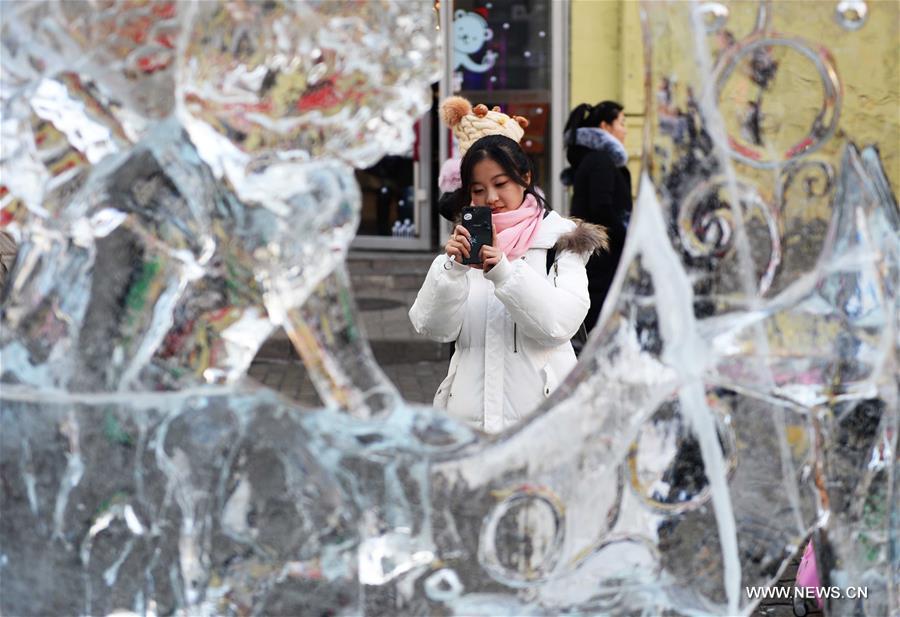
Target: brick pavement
[
  {"x": 417, "y": 381},
  {"x": 384, "y": 287}
]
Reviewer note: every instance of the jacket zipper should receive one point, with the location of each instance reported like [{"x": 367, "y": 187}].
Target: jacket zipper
[{"x": 515, "y": 347}]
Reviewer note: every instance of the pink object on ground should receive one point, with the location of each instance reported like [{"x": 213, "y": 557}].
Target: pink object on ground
[{"x": 808, "y": 573}]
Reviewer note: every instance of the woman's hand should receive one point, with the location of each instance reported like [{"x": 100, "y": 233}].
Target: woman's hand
[
  {"x": 459, "y": 244},
  {"x": 490, "y": 255}
]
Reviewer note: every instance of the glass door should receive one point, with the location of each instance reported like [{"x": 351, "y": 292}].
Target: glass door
[
  {"x": 512, "y": 54},
  {"x": 397, "y": 197}
]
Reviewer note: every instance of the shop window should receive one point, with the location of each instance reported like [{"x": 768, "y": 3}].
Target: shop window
[
  {"x": 502, "y": 57},
  {"x": 389, "y": 206}
]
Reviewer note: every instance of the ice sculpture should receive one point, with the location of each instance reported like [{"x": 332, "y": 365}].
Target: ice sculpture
[
  {"x": 739, "y": 393},
  {"x": 160, "y": 267}
]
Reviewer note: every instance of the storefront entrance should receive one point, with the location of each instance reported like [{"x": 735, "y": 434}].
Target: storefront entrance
[{"x": 511, "y": 54}]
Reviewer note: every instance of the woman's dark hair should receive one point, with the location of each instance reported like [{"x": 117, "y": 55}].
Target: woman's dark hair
[
  {"x": 584, "y": 116},
  {"x": 508, "y": 155},
  {"x": 590, "y": 115}
]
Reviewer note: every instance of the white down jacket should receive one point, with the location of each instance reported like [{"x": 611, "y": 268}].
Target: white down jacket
[{"x": 512, "y": 326}]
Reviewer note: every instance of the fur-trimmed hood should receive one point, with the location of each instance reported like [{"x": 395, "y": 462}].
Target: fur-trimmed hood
[
  {"x": 570, "y": 234},
  {"x": 598, "y": 139},
  {"x": 586, "y": 238}
]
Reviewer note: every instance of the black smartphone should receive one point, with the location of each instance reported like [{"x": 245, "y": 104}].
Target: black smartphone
[{"x": 478, "y": 221}]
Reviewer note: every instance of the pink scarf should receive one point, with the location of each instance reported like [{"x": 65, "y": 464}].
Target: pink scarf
[{"x": 516, "y": 230}]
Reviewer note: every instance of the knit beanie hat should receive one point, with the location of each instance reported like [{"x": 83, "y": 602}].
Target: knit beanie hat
[{"x": 469, "y": 125}]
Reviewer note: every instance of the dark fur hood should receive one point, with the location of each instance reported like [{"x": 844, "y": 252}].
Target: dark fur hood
[
  {"x": 586, "y": 238},
  {"x": 586, "y": 140}
]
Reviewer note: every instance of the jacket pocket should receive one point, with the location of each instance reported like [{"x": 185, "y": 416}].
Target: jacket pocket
[{"x": 442, "y": 396}]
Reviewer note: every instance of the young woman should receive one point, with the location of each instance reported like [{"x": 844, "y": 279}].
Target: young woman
[
  {"x": 595, "y": 136},
  {"x": 511, "y": 316}
]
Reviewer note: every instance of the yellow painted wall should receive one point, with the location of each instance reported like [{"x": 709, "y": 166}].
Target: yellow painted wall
[
  {"x": 596, "y": 51},
  {"x": 606, "y": 62}
]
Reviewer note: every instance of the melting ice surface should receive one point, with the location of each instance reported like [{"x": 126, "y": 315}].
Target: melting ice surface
[{"x": 180, "y": 177}]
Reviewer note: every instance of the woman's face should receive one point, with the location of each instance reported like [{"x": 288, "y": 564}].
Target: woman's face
[
  {"x": 617, "y": 128},
  {"x": 492, "y": 187}
]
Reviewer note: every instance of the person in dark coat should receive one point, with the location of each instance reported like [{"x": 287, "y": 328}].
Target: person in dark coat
[{"x": 601, "y": 182}]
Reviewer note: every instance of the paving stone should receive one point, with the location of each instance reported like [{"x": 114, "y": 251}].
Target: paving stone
[
  {"x": 408, "y": 281},
  {"x": 372, "y": 282},
  {"x": 394, "y": 263},
  {"x": 399, "y": 315}
]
